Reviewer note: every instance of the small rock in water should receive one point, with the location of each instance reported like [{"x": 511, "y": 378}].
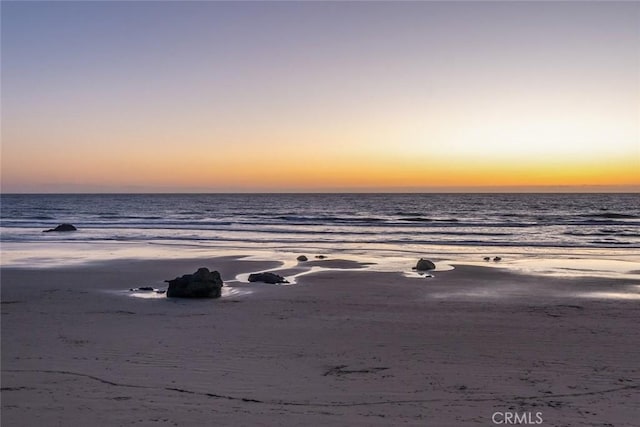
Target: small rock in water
[
  {"x": 321, "y": 256},
  {"x": 267, "y": 278},
  {"x": 496, "y": 259},
  {"x": 425, "y": 264},
  {"x": 145, "y": 288},
  {"x": 61, "y": 227},
  {"x": 487, "y": 258},
  {"x": 302, "y": 258}
]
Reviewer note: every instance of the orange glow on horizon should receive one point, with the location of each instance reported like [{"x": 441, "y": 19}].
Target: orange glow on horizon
[{"x": 301, "y": 170}]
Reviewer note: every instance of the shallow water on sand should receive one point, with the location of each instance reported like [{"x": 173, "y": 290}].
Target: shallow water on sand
[{"x": 582, "y": 262}]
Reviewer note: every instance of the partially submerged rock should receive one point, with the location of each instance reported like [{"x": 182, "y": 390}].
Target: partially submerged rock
[
  {"x": 302, "y": 258},
  {"x": 267, "y": 278},
  {"x": 202, "y": 284},
  {"x": 61, "y": 227},
  {"x": 425, "y": 264}
]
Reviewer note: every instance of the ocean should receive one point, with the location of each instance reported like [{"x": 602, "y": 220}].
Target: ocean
[{"x": 359, "y": 224}]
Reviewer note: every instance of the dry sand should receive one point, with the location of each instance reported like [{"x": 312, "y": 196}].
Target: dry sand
[{"x": 341, "y": 347}]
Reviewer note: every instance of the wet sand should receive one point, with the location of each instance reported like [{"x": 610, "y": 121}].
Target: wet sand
[{"x": 343, "y": 346}]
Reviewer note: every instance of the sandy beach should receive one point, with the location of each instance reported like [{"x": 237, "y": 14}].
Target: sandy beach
[
  {"x": 343, "y": 346},
  {"x": 320, "y": 213}
]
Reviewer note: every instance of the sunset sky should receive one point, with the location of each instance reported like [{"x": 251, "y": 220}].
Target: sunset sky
[{"x": 282, "y": 96}]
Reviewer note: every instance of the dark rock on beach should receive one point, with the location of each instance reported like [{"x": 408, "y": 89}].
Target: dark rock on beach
[
  {"x": 202, "y": 284},
  {"x": 61, "y": 227},
  {"x": 425, "y": 264},
  {"x": 302, "y": 258},
  {"x": 320, "y": 256},
  {"x": 267, "y": 278}
]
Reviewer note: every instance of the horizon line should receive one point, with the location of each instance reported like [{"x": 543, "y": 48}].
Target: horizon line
[{"x": 590, "y": 189}]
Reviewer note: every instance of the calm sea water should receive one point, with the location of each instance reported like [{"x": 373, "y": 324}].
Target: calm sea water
[{"x": 330, "y": 221}]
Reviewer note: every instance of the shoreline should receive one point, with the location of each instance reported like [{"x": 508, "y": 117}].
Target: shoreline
[
  {"x": 342, "y": 346},
  {"x": 560, "y": 262}
]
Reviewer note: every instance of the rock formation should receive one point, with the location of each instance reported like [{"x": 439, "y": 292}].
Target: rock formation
[
  {"x": 425, "y": 264},
  {"x": 267, "y": 278},
  {"x": 61, "y": 227},
  {"x": 202, "y": 284}
]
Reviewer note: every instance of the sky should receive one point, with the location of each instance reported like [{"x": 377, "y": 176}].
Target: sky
[{"x": 322, "y": 96}]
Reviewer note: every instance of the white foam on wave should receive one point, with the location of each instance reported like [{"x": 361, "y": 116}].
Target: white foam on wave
[{"x": 610, "y": 295}]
